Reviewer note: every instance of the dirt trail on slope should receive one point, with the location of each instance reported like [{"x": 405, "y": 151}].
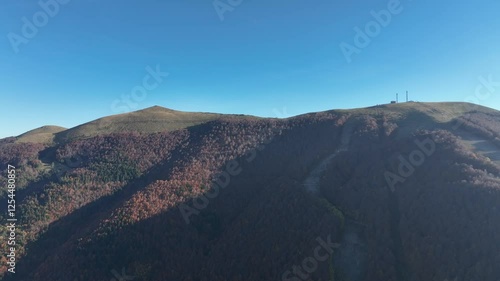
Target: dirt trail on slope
[
  {"x": 351, "y": 258},
  {"x": 352, "y": 255},
  {"x": 311, "y": 183},
  {"x": 480, "y": 146}
]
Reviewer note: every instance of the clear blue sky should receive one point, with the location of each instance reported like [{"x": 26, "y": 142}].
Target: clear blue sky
[{"x": 265, "y": 58}]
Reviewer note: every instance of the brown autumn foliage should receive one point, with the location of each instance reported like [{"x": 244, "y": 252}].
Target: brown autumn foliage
[
  {"x": 23, "y": 156},
  {"x": 114, "y": 201}
]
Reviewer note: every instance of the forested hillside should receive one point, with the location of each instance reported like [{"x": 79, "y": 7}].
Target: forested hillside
[{"x": 218, "y": 197}]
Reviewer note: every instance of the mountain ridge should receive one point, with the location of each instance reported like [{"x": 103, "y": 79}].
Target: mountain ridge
[
  {"x": 184, "y": 119},
  {"x": 228, "y": 199}
]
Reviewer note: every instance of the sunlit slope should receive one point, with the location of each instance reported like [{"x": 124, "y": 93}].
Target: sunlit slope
[
  {"x": 43, "y": 134},
  {"x": 441, "y": 112},
  {"x": 150, "y": 120}
]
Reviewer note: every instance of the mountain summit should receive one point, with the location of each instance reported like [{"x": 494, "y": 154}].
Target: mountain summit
[{"x": 404, "y": 191}]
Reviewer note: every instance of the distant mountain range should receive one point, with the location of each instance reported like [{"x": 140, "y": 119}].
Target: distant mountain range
[{"x": 407, "y": 191}]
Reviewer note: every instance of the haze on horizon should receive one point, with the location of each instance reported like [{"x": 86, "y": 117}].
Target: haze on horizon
[{"x": 69, "y": 62}]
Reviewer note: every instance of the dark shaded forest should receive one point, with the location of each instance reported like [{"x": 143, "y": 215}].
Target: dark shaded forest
[{"x": 224, "y": 200}]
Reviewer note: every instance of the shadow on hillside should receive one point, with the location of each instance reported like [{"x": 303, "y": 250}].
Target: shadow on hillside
[
  {"x": 60, "y": 239},
  {"x": 263, "y": 222},
  {"x": 417, "y": 120},
  {"x": 87, "y": 217}
]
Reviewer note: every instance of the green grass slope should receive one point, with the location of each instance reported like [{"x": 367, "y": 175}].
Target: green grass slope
[
  {"x": 43, "y": 135},
  {"x": 441, "y": 112},
  {"x": 159, "y": 119},
  {"x": 149, "y": 120}
]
